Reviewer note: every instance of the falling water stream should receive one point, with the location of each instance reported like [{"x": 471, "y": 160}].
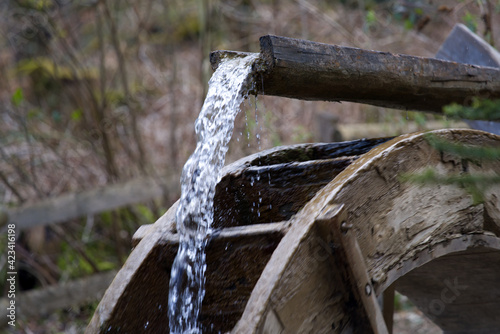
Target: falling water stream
[{"x": 214, "y": 127}]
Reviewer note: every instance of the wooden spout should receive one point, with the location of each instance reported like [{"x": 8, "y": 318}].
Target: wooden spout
[
  {"x": 217, "y": 56},
  {"x": 308, "y": 70}
]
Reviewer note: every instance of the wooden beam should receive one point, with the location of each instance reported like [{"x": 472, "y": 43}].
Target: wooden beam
[
  {"x": 301, "y": 275},
  {"x": 73, "y": 205},
  {"x": 308, "y": 70},
  {"x": 45, "y": 301},
  {"x": 227, "y": 233},
  {"x": 452, "y": 245},
  {"x": 315, "y": 71},
  {"x": 355, "y": 266},
  {"x": 388, "y": 308}
]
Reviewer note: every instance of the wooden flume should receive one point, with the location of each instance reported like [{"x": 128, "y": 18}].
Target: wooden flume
[{"x": 308, "y": 70}]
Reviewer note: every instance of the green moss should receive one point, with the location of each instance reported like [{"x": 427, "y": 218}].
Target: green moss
[{"x": 480, "y": 109}]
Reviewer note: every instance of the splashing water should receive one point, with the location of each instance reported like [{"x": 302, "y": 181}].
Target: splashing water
[{"x": 214, "y": 127}]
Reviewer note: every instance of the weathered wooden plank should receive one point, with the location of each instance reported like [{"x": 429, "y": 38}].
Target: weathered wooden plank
[
  {"x": 315, "y": 71},
  {"x": 227, "y": 233},
  {"x": 301, "y": 290},
  {"x": 456, "y": 244},
  {"x": 45, "y": 301},
  {"x": 73, "y": 205},
  {"x": 272, "y": 187},
  {"x": 357, "y": 272},
  {"x": 138, "y": 297},
  {"x": 308, "y": 70}
]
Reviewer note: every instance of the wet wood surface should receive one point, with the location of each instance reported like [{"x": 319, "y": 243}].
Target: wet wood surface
[
  {"x": 241, "y": 244},
  {"x": 272, "y": 187},
  {"x": 137, "y": 300},
  {"x": 315, "y": 71},
  {"x": 308, "y": 70}
]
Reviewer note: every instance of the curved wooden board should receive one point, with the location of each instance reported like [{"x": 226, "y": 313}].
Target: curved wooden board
[
  {"x": 393, "y": 220},
  {"x": 107, "y": 314}
]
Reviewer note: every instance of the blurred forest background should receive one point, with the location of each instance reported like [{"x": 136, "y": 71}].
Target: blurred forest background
[{"x": 98, "y": 100}]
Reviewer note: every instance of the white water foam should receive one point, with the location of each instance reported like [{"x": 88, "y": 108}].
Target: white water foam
[{"x": 214, "y": 127}]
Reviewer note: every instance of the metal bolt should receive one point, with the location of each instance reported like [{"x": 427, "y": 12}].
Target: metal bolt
[
  {"x": 344, "y": 227},
  {"x": 368, "y": 289}
]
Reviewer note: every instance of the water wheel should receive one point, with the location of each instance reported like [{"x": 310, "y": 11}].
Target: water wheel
[{"x": 308, "y": 236}]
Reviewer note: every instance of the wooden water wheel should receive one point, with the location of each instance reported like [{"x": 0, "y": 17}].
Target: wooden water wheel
[
  {"x": 336, "y": 227},
  {"x": 308, "y": 236}
]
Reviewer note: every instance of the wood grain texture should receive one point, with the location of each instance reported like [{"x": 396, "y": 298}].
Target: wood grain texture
[
  {"x": 394, "y": 222},
  {"x": 309, "y": 70},
  {"x": 394, "y": 219},
  {"x": 357, "y": 271},
  {"x": 315, "y": 71}
]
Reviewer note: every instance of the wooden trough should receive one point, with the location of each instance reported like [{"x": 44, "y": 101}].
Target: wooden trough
[
  {"x": 308, "y": 236},
  {"x": 308, "y": 70}
]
